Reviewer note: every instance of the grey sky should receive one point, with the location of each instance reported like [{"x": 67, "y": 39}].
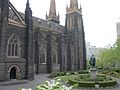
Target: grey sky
[{"x": 100, "y": 17}]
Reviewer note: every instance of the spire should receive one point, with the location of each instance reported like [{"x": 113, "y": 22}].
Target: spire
[
  {"x": 52, "y": 13},
  {"x": 80, "y": 8},
  {"x": 74, "y": 4},
  {"x": 73, "y": 7},
  {"x": 28, "y": 12},
  {"x": 27, "y": 4},
  {"x": 66, "y": 7}
]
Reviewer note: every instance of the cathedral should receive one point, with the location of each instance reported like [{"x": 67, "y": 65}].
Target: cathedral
[{"x": 30, "y": 45}]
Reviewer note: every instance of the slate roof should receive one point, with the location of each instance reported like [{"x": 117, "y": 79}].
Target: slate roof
[{"x": 41, "y": 23}]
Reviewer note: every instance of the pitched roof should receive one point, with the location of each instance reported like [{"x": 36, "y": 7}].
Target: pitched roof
[{"x": 38, "y": 22}]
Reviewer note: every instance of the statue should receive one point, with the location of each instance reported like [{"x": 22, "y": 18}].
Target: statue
[{"x": 92, "y": 61}]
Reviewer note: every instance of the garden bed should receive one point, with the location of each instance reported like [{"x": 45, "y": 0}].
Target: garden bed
[{"x": 84, "y": 81}]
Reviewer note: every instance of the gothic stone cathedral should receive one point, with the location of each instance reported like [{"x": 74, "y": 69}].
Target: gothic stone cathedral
[{"x": 30, "y": 45}]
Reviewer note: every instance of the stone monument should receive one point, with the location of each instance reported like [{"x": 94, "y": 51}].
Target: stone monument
[{"x": 93, "y": 69}]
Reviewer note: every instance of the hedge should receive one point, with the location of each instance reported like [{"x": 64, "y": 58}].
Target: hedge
[
  {"x": 81, "y": 84},
  {"x": 91, "y": 84},
  {"x": 56, "y": 74},
  {"x": 108, "y": 83}
]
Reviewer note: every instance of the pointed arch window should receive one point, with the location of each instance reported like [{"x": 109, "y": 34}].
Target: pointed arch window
[
  {"x": 13, "y": 46},
  {"x": 42, "y": 56}
]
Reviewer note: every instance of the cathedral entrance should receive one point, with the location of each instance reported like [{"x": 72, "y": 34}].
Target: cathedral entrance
[{"x": 13, "y": 73}]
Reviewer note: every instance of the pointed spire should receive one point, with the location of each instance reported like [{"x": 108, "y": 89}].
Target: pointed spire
[
  {"x": 27, "y": 4},
  {"x": 52, "y": 13},
  {"x": 28, "y": 11},
  {"x": 46, "y": 14},
  {"x": 67, "y": 7},
  {"x": 80, "y": 8},
  {"x": 73, "y": 7},
  {"x": 58, "y": 15}
]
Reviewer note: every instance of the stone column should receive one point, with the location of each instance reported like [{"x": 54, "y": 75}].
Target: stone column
[
  {"x": 60, "y": 53},
  {"x": 49, "y": 59}
]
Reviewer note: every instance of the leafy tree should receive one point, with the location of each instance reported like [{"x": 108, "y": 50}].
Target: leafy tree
[{"x": 110, "y": 57}]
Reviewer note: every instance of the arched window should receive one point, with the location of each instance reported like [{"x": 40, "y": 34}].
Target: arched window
[
  {"x": 54, "y": 56},
  {"x": 13, "y": 46},
  {"x": 42, "y": 56}
]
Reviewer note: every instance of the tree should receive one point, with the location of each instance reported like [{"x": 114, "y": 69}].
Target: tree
[{"x": 110, "y": 57}]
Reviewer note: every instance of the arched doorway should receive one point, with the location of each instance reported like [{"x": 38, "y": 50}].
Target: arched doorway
[{"x": 13, "y": 73}]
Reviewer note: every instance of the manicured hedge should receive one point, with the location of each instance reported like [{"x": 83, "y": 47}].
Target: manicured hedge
[
  {"x": 56, "y": 74},
  {"x": 108, "y": 83},
  {"x": 92, "y": 84},
  {"x": 82, "y": 84},
  {"x": 83, "y": 72}
]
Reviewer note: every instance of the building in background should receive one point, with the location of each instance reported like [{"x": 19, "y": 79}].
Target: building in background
[
  {"x": 118, "y": 29},
  {"x": 93, "y": 50}
]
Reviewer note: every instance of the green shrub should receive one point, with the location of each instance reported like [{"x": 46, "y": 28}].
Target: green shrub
[
  {"x": 56, "y": 74},
  {"x": 87, "y": 84},
  {"x": 53, "y": 74},
  {"x": 67, "y": 74},
  {"x": 108, "y": 83},
  {"x": 114, "y": 74},
  {"x": 83, "y": 72},
  {"x": 72, "y": 72},
  {"x": 116, "y": 69},
  {"x": 82, "y": 83},
  {"x": 91, "y": 84}
]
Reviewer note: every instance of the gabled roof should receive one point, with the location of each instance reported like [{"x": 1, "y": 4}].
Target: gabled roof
[{"x": 38, "y": 23}]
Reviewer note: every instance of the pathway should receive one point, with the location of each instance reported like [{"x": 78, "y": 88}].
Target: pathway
[{"x": 39, "y": 79}]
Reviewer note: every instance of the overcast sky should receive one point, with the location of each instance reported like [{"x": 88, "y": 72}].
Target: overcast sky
[{"x": 100, "y": 17}]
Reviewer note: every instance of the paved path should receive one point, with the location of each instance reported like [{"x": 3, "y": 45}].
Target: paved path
[{"x": 39, "y": 79}]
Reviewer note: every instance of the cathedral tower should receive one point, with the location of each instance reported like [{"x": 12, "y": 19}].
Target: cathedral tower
[
  {"x": 52, "y": 13},
  {"x": 75, "y": 25}
]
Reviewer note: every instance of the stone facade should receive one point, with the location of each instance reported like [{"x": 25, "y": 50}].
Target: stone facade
[{"x": 30, "y": 45}]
